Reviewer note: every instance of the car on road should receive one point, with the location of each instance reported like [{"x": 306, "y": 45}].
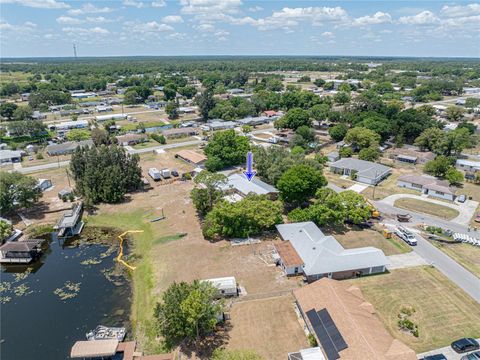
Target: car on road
[
  {"x": 465, "y": 345},
  {"x": 472, "y": 356},
  {"x": 405, "y": 235},
  {"x": 435, "y": 357}
]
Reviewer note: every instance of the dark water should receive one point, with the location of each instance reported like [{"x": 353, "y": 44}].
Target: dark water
[{"x": 39, "y": 324}]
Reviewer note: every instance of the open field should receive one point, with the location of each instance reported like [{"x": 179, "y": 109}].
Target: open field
[
  {"x": 427, "y": 208},
  {"x": 269, "y": 325},
  {"x": 465, "y": 254},
  {"x": 14, "y": 76},
  {"x": 443, "y": 312},
  {"x": 355, "y": 238}
]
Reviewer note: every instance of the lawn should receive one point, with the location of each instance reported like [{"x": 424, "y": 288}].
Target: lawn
[
  {"x": 388, "y": 186},
  {"x": 356, "y": 238},
  {"x": 268, "y": 326},
  {"x": 465, "y": 254},
  {"x": 426, "y": 207},
  {"x": 143, "y": 278},
  {"x": 443, "y": 312}
]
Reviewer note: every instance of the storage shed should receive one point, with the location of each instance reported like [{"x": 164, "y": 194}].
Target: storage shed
[{"x": 226, "y": 286}]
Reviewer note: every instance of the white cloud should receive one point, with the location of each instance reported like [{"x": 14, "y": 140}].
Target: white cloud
[
  {"x": 39, "y": 4},
  {"x": 423, "y": 18},
  {"x": 328, "y": 34},
  {"x": 377, "y": 18},
  {"x": 172, "y": 19},
  {"x": 198, "y": 7},
  {"x": 221, "y": 35},
  {"x": 137, "y": 4},
  {"x": 98, "y": 19},
  {"x": 176, "y": 36},
  {"x": 85, "y": 31},
  {"x": 25, "y": 27},
  {"x": 158, "y": 3},
  {"x": 149, "y": 27},
  {"x": 205, "y": 27},
  {"x": 89, "y": 9},
  {"x": 461, "y": 11},
  {"x": 255, "y": 8},
  {"x": 67, "y": 20}
]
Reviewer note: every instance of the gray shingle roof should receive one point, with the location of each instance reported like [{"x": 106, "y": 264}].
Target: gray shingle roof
[
  {"x": 240, "y": 183},
  {"x": 364, "y": 168},
  {"x": 323, "y": 254}
]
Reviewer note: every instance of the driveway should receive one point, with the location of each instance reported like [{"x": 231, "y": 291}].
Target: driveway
[
  {"x": 358, "y": 188},
  {"x": 466, "y": 210},
  {"x": 402, "y": 261},
  {"x": 447, "y": 351}
]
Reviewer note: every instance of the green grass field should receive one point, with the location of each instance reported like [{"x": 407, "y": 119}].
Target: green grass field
[
  {"x": 426, "y": 207},
  {"x": 443, "y": 312}
]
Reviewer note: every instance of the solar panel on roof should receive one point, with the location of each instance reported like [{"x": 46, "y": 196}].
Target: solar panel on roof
[
  {"x": 322, "y": 335},
  {"x": 332, "y": 330}
]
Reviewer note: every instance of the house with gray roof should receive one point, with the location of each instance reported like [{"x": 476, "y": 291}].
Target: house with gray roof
[
  {"x": 10, "y": 156},
  {"x": 238, "y": 184},
  {"x": 363, "y": 171},
  {"x": 468, "y": 165},
  {"x": 427, "y": 185},
  {"x": 307, "y": 250},
  {"x": 66, "y": 147}
]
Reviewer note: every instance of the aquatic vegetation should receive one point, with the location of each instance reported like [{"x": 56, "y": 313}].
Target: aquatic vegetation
[
  {"x": 5, "y": 286},
  {"x": 23, "y": 275},
  {"x": 68, "y": 291},
  {"x": 5, "y": 299},
  {"x": 22, "y": 290},
  {"x": 92, "y": 261}
]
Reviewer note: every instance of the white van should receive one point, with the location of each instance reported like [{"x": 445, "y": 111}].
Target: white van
[
  {"x": 406, "y": 235},
  {"x": 154, "y": 174}
]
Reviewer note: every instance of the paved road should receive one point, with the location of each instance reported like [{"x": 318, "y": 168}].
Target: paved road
[
  {"x": 447, "y": 351},
  {"x": 54, "y": 165}
]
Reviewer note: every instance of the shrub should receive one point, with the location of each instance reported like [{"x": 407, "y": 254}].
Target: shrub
[
  {"x": 312, "y": 341},
  {"x": 39, "y": 156},
  {"x": 159, "y": 138}
]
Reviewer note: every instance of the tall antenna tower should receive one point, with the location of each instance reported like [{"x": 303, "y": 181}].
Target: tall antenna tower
[{"x": 75, "y": 51}]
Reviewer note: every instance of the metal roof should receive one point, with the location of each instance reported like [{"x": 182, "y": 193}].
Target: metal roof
[
  {"x": 21, "y": 246},
  {"x": 364, "y": 168},
  {"x": 228, "y": 282},
  {"x": 91, "y": 349},
  {"x": 242, "y": 185},
  {"x": 323, "y": 254},
  {"x": 67, "y": 146},
  {"x": 10, "y": 154}
]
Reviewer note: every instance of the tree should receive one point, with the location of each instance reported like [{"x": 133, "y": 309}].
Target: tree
[
  {"x": 224, "y": 149},
  {"x": 209, "y": 192},
  {"x": 454, "y": 113},
  {"x": 17, "y": 190},
  {"x": 304, "y": 137},
  {"x": 369, "y": 154},
  {"x": 338, "y": 132},
  {"x": 429, "y": 138},
  {"x": 7, "y": 110},
  {"x": 131, "y": 97},
  {"x": 78, "y": 135},
  {"x": 187, "y": 311},
  {"x": 250, "y": 216},
  {"x": 100, "y": 137},
  {"x": 188, "y": 91},
  {"x": 105, "y": 173},
  {"x": 294, "y": 118},
  {"x": 6, "y": 229},
  {"x": 26, "y": 127},
  {"x": 472, "y": 102},
  {"x": 224, "y": 354},
  {"x": 23, "y": 113},
  {"x": 342, "y": 97},
  {"x": 319, "y": 82},
  {"x": 454, "y": 176},
  {"x": 345, "y": 152},
  {"x": 320, "y": 112},
  {"x": 361, "y": 138},
  {"x": 172, "y": 110},
  {"x": 299, "y": 183},
  {"x": 169, "y": 91},
  {"x": 205, "y": 102},
  {"x": 439, "y": 166},
  {"x": 357, "y": 210}
]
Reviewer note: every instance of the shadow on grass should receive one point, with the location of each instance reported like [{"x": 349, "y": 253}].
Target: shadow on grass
[{"x": 204, "y": 348}]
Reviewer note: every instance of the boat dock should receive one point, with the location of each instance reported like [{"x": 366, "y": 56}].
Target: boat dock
[
  {"x": 104, "y": 349},
  {"x": 20, "y": 252}
]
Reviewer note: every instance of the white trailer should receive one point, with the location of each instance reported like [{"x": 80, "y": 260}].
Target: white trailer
[
  {"x": 406, "y": 235},
  {"x": 111, "y": 117},
  {"x": 154, "y": 174},
  {"x": 166, "y": 173},
  {"x": 226, "y": 286}
]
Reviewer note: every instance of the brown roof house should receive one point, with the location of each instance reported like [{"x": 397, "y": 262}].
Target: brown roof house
[
  {"x": 345, "y": 324},
  {"x": 131, "y": 139},
  {"x": 191, "y": 157}
]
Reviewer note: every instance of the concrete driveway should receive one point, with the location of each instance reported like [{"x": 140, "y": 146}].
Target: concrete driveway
[
  {"x": 447, "y": 351},
  {"x": 402, "y": 261},
  {"x": 466, "y": 210}
]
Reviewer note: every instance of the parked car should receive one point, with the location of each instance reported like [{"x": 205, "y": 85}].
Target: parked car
[
  {"x": 461, "y": 198},
  {"x": 464, "y": 345},
  {"x": 174, "y": 172},
  {"x": 406, "y": 235},
  {"x": 435, "y": 357},
  {"x": 472, "y": 356}
]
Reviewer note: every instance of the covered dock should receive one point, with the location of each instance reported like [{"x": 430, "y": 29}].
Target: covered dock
[
  {"x": 71, "y": 224},
  {"x": 107, "y": 349},
  {"x": 20, "y": 252}
]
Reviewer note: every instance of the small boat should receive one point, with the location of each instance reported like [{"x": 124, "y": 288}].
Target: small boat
[{"x": 106, "y": 333}]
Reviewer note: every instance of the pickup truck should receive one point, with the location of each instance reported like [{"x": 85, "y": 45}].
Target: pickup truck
[{"x": 406, "y": 235}]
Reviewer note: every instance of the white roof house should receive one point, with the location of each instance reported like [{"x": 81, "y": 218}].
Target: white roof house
[
  {"x": 66, "y": 125},
  {"x": 307, "y": 354},
  {"x": 240, "y": 184},
  {"x": 324, "y": 256},
  {"x": 366, "y": 171},
  {"x": 9, "y": 156},
  {"x": 468, "y": 165},
  {"x": 226, "y": 286}
]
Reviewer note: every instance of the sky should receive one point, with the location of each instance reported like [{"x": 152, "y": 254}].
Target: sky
[{"x": 40, "y": 28}]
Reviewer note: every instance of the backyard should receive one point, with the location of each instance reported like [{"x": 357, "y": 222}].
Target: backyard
[
  {"x": 443, "y": 312},
  {"x": 426, "y": 207},
  {"x": 355, "y": 238}
]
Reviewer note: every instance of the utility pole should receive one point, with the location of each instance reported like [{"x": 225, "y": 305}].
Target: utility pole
[{"x": 75, "y": 51}]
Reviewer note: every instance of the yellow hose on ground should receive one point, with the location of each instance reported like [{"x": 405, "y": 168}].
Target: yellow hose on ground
[{"x": 120, "y": 253}]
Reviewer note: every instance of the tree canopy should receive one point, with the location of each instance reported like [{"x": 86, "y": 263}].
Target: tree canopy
[
  {"x": 17, "y": 190},
  {"x": 206, "y": 195},
  {"x": 224, "y": 149},
  {"x": 299, "y": 183}
]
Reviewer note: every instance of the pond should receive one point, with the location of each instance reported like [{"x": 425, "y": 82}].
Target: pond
[{"x": 47, "y": 306}]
